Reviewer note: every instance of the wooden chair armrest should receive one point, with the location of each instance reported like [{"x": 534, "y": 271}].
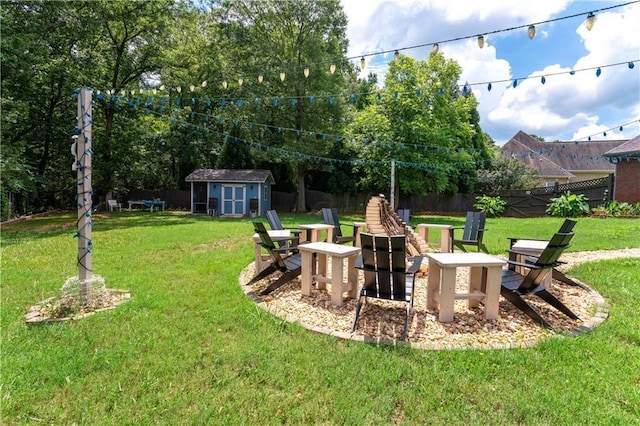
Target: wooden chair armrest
[
  {"x": 521, "y": 253},
  {"x": 512, "y": 240},
  {"x": 523, "y": 264},
  {"x": 417, "y": 261}
]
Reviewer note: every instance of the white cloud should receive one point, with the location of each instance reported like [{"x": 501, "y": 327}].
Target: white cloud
[
  {"x": 569, "y": 102},
  {"x": 563, "y": 107}
]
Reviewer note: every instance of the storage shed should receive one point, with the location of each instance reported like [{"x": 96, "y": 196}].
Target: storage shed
[{"x": 231, "y": 192}]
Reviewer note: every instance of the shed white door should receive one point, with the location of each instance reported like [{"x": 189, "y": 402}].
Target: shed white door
[{"x": 233, "y": 199}]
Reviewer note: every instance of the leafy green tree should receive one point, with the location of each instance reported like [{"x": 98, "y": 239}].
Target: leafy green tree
[
  {"x": 421, "y": 120},
  {"x": 38, "y": 68},
  {"x": 278, "y": 41},
  {"x": 505, "y": 173},
  {"x": 126, "y": 46}
]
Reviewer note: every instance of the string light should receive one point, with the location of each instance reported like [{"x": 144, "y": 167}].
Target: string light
[
  {"x": 224, "y": 84},
  {"x": 332, "y": 68},
  {"x": 435, "y": 48},
  {"x": 531, "y": 32},
  {"x": 591, "y": 20},
  {"x": 396, "y": 55},
  {"x": 306, "y": 72},
  {"x": 282, "y": 75},
  {"x": 260, "y": 78},
  {"x": 240, "y": 81},
  {"x": 481, "y": 41}
]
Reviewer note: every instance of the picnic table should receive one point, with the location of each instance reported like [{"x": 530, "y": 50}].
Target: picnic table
[{"x": 147, "y": 203}]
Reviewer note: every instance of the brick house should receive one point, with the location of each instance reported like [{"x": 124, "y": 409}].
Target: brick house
[
  {"x": 626, "y": 158},
  {"x": 562, "y": 161}
]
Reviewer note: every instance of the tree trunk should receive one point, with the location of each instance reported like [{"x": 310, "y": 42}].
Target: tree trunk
[{"x": 302, "y": 199}]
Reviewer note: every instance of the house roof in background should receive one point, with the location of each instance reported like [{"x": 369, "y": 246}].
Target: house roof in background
[
  {"x": 571, "y": 156},
  {"x": 631, "y": 148},
  {"x": 230, "y": 175}
]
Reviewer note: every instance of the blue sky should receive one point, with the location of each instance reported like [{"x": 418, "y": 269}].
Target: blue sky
[{"x": 566, "y": 107}]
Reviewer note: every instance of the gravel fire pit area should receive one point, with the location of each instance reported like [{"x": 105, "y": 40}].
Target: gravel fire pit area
[{"x": 382, "y": 322}]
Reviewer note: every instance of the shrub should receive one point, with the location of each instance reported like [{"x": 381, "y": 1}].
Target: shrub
[
  {"x": 568, "y": 205},
  {"x": 617, "y": 209},
  {"x": 491, "y": 206}
]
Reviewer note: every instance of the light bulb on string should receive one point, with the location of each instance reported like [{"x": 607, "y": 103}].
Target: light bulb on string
[
  {"x": 332, "y": 68},
  {"x": 306, "y": 72},
  {"x": 161, "y": 87},
  {"x": 179, "y": 89},
  {"x": 204, "y": 84},
  {"x": 282, "y": 75},
  {"x": 192, "y": 88},
  {"x": 435, "y": 48},
  {"x": 260, "y": 78},
  {"x": 224, "y": 84},
  {"x": 591, "y": 20},
  {"x": 240, "y": 81},
  {"x": 396, "y": 55},
  {"x": 363, "y": 63},
  {"x": 531, "y": 32},
  {"x": 481, "y": 41}
]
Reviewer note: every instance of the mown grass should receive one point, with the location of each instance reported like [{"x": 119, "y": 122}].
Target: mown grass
[{"x": 191, "y": 348}]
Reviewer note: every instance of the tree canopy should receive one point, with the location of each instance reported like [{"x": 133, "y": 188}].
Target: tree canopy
[{"x": 181, "y": 85}]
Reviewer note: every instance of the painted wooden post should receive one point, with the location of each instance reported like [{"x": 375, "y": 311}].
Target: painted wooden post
[
  {"x": 84, "y": 194},
  {"x": 393, "y": 184}
]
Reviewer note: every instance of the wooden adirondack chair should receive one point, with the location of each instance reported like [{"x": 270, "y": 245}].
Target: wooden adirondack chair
[
  {"x": 566, "y": 227},
  {"x": 286, "y": 260},
  {"x": 404, "y": 215},
  {"x": 472, "y": 233},
  {"x": 330, "y": 217},
  {"x": 385, "y": 274},
  {"x": 514, "y": 285},
  {"x": 275, "y": 224}
]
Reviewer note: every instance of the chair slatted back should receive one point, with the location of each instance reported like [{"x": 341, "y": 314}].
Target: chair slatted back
[
  {"x": 567, "y": 226},
  {"x": 473, "y": 226},
  {"x": 548, "y": 259},
  {"x": 383, "y": 260},
  {"x": 274, "y": 220},
  {"x": 330, "y": 217},
  {"x": 268, "y": 244}
]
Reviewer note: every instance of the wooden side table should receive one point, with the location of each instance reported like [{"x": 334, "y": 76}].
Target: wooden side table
[
  {"x": 338, "y": 253},
  {"x": 445, "y": 241},
  {"x": 311, "y": 232},
  {"x": 441, "y": 283}
]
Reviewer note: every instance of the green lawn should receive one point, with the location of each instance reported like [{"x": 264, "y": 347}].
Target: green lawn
[{"x": 191, "y": 348}]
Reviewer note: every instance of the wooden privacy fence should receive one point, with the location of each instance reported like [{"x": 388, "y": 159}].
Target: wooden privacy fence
[
  {"x": 520, "y": 203},
  {"x": 533, "y": 202}
]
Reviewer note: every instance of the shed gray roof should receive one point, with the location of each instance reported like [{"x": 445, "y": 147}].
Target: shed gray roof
[
  {"x": 631, "y": 148},
  {"x": 230, "y": 175},
  {"x": 571, "y": 156}
]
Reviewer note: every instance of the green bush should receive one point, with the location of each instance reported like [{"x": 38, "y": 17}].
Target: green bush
[
  {"x": 491, "y": 206},
  {"x": 568, "y": 205},
  {"x": 617, "y": 209}
]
